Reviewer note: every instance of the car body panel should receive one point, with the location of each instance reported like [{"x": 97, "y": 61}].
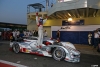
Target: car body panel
[{"x": 30, "y": 46}]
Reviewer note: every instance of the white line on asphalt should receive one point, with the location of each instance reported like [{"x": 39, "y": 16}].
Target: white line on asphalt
[{"x": 13, "y": 64}]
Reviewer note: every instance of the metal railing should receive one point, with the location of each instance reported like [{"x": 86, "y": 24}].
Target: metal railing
[{"x": 44, "y": 3}]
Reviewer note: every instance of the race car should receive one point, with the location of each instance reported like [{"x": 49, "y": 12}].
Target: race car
[{"x": 51, "y": 48}]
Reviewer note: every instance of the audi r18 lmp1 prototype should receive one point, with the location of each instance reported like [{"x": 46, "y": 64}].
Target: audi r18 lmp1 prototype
[{"x": 51, "y": 48}]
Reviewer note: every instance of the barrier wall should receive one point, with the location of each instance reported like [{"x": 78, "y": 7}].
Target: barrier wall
[{"x": 74, "y": 34}]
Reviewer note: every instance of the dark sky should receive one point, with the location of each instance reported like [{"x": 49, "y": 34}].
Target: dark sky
[{"x": 15, "y": 11}]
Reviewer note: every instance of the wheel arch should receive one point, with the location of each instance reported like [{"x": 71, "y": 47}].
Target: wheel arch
[
  {"x": 54, "y": 55},
  {"x": 13, "y": 46}
]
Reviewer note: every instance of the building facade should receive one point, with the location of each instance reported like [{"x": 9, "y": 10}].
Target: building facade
[{"x": 87, "y": 10}]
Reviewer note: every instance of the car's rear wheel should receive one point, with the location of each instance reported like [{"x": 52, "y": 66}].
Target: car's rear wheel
[
  {"x": 16, "y": 48},
  {"x": 59, "y": 54}
]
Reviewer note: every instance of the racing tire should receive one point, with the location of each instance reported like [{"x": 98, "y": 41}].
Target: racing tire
[
  {"x": 58, "y": 54},
  {"x": 16, "y": 48}
]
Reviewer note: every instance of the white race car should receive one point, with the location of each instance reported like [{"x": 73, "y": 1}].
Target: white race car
[{"x": 51, "y": 48}]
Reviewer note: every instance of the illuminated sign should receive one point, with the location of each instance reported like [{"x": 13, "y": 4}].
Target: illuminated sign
[
  {"x": 66, "y": 27},
  {"x": 77, "y": 22}
]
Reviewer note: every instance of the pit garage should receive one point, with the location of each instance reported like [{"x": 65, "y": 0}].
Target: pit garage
[
  {"x": 4, "y": 26},
  {"x": 74, "y": 18}
]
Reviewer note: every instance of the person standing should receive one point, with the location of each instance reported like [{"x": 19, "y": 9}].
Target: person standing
[
  {"x": 40, "y": 22},
  {"x": 27, "y": 33},
  {"x": 58, "y": 35},
  {"x": 0, "y": 35},
  {"x": 98, "y": 49},
  {"x": 11, "y": 36},
  {"x": 24, "y": 33},
  {"x": 45, "y": 35},
  {"x": 89, "y": 38},
  {"x": 33, "y": 33},
  {"x": 96, "y": 36},
  {"x": 18, "y": 33}
]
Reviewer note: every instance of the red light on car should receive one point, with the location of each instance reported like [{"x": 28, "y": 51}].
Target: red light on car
[{"x": 47, "y": 43}]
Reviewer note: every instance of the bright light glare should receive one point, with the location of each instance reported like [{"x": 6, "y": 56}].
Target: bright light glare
[{"x": 69, "y": 19}]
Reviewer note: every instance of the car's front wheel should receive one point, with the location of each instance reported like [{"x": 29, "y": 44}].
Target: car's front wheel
[
  {"x": 16, "y": 48},
  {"x": 59, "y": 54}
]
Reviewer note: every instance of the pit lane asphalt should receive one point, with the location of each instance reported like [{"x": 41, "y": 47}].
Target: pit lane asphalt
[{"x": 37, "y": 61}]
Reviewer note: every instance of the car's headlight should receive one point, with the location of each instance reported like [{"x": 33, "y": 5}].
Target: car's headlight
[{"x": 71, "y": 55}]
